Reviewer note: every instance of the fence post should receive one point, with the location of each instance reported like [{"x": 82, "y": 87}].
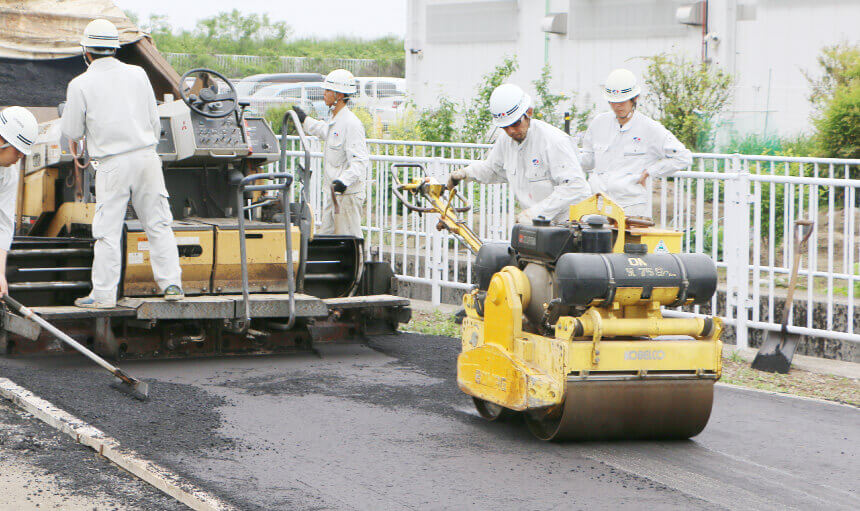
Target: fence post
[
  {"x": 736, "y": 241},
  {"x": 433, "y": 254}
]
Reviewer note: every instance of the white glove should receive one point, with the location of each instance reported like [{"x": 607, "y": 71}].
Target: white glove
[
  {"x": 455, "y": 177},
  {"x": 525, "y": 217}
]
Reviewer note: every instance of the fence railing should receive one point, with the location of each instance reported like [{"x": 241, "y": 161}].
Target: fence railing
[{"x": 738, "y": 209}]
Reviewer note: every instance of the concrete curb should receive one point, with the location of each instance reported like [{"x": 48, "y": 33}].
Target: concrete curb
[{"x": 157, "y": 476}]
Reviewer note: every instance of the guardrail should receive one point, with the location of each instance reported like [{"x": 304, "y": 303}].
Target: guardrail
[{"x": 735, "y": 208}]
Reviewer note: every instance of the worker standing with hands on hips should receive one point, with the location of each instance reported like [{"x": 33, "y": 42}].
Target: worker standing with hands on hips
[
  {"x": 536, "y": 158},
  {"x": 624, "y": 148},
  {"x": 113, "y": 105},
  {"x": 346, "y": 158},
  {"x": 18, "y": 131}
]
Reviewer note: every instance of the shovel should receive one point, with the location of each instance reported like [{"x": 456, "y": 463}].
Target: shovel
[
  {"x": 124, "y": 383},
  {"x": 777, "y": 349}
]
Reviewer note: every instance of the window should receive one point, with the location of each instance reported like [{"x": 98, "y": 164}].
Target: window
[
  {"x": 623, "y": 19},
  {"x": 387, "y": 90},
  {"x": 472, "y": 22}
]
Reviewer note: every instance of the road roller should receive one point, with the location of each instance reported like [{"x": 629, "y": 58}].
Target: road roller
[
  {"x": 565, "y": 327},
  {"x": 257, "y": 278}
]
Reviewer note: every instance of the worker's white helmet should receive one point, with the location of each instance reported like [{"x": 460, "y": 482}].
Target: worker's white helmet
[
  {"x": 340, "y": 80},
  {"x": 508, "y": 103},
  {"x": 620, "y": 86},
  {"x": 19, "y": 128},
  {"x": 100, "y": 33}
]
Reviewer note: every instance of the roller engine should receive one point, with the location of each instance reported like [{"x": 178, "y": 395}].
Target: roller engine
[{"x": 565, "y": 325}]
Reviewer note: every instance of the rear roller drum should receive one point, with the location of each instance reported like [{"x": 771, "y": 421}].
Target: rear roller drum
[
  {"x": 626, "y": 410},
  {"x": 491, "y": 411}
]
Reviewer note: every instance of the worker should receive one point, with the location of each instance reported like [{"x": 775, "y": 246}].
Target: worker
[
  {"x": 113, "y": 105},
  {"x": 346, "y": 158},
  {"x": 625, "y": 148},
  {"x": 18, "y": 131},
  {"x": 537, "y": 159}
]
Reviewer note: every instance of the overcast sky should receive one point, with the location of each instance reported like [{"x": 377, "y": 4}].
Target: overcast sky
[{"x": 323, "y": 18}]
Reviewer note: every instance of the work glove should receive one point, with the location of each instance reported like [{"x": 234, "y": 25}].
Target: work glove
[
  {"x": 338, "y": 186},
  {"x": 525, "y": 217},
  {"x": 455, "y": 177},
  {"x": 301, "y": 113}
]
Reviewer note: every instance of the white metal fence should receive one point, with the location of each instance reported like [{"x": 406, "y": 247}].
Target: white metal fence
[{"x": 738, "y": 209}]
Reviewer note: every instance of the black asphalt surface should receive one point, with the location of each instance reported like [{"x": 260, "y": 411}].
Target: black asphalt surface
[{"x": 384, "y": 426}]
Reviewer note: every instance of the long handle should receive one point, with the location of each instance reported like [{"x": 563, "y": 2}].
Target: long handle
[
  {"x": 32, "y": 316},
  {"x": 792, "y": 283}
]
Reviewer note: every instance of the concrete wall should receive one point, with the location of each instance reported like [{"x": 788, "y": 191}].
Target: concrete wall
[{"x": 767, "y": 53}]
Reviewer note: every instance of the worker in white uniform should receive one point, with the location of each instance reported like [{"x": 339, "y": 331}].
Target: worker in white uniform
[
  {"x": 113, "y": 105},
  {"x": 623, "y": 148},
  {"x": 536, "y": 158},
  {"x": 346, "y": 159},
  {"x": 18, "y": 131}
]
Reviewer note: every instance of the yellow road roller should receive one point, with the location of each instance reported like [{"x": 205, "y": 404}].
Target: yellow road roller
[{"x": 565, "y": 324}]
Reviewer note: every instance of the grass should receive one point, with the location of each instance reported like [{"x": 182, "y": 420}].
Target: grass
[
  {"x": 432, "y": 323},
  {"x": 736, "y": 370}
]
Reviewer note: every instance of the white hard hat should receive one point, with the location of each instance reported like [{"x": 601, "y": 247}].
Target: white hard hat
[
  {"x": 100, "y": 33},
  {"x": 620, "y": 86},
  {"x": 340, "y": 80},
  {"x": 508, "y": 103},
  {"x": 19, "y": 128}
]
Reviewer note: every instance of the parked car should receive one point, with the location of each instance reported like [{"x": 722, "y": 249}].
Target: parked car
[
  {"x": 309, "y": 96},
  {"x": 248, "y": 86},
  {"x": 385, "y": 97}
]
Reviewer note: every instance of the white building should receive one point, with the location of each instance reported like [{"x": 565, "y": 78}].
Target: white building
[{"x": 767, "y": 44}]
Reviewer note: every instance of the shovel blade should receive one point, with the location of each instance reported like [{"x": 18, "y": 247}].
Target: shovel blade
[{"x": 776, "y": 352}]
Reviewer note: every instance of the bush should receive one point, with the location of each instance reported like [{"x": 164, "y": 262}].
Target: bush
[
  {"x": 439, "y": 124},
  {"x": 840, "y": 65},
  {"x": 546, "y": 104},
  {"x": 687, "y": 96},
  {"x": 477, "y": 116},
  {"x": 839, "y": 124},
  {"x": 405, "y": 126}
]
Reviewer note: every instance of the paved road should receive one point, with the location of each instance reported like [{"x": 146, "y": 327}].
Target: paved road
[{"x": 384, "y": 426}]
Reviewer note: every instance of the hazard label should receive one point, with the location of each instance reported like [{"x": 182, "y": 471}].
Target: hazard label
[{"x": 661, "y": 248}]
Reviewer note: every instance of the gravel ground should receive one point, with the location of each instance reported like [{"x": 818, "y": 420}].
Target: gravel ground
[{"x": 41, "y": 468}]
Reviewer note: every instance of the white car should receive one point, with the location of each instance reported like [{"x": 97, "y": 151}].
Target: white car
[
  {"x": 385, "y": 97},
  {"x": 309, "y": 96}
]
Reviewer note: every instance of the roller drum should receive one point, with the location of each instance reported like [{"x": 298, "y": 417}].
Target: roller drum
[{"x": 627, "y": 410}]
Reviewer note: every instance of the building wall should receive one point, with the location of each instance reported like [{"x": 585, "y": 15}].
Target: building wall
[{"x": 767, "y": 51}]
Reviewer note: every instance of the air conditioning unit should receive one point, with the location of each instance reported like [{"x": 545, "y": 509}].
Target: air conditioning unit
[
  {"x": 555, "y": 23},
  {"x": 691, "y": 14}
]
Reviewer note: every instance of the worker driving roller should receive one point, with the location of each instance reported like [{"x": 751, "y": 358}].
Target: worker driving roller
[
  {"x": 346, "y": 156},
  {"x": 624, "y": 147},
  {"x": 537, "y": 159},
  {"x": 113, "y": 105},
  {"x": 18, "y": 131}
]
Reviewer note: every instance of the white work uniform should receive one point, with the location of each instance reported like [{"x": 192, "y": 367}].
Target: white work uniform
[
  {"x": 543, "y": 171},
  {"x": 113, "y": 104},
  {"x": 8, "y": 197},
  {"x": 619, "y": 154},
  {"x": 346, "y": 160}
]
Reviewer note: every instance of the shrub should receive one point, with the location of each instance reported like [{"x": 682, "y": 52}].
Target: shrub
[
  {"x": 839, "y": 124},
  {"x": 477, "y": 116},
  {"x": 687, "y": 96},
  {"x": 546, "y": 104},
  {"x": 840, "y": 64},
  {"x": 439, "y": 124}
]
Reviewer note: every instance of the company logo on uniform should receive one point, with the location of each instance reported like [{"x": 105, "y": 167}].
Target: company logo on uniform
[
  {"x": 535, "y": 162},
  {"x": 637, "y": 139}
]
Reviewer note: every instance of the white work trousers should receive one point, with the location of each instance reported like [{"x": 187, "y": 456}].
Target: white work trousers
[
  {"x": 136, "y": 175},
  {"x": 348, "y": 221}
]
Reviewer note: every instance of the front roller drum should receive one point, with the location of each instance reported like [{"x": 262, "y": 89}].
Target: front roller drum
[{"x": 626, "y": 410}]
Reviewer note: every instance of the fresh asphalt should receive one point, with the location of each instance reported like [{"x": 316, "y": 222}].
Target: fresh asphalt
[{"x": 384, "y": 426}]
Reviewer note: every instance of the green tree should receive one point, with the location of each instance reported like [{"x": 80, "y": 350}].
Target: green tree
[
  {"x": 839, "y": 124},
  {"x": 686, "y": 96},
  {"x": 840, "y": 64},
  {"x": 477, "y": 116},
  {"x": 580, "y": 117},
  {"x": 439, "y": 124},
  {"x": 546, "y": 102}
]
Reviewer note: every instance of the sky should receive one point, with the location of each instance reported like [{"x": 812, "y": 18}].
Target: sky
[{"x": 321, "y": 18}]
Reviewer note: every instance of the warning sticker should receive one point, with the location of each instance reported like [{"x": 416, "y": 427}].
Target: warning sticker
[
  {"x": 661, "y": 248},
  {"x": 135, "y": 258},
  {"x": 143, "y": 246}
]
